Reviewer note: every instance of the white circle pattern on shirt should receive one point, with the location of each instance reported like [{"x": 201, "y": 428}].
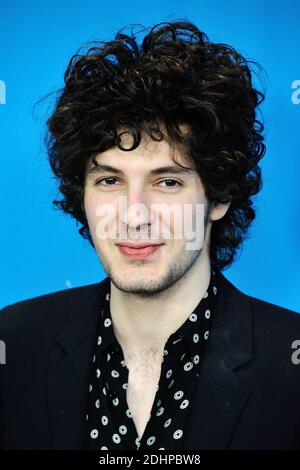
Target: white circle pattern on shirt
[
  {"x": 104, "y": 420},
  {"x": 168, "y": 422},
  {"x": 193, "y": 317},
  {"x": 184, "y": 404},
  {"x": 188, "y": 366},
  {"x": 94, "y": 434},
  {"x": 178, "y": 395},
  {"x": 116, "y": 438},
  {"x": 196, "y": 338},
  {"x": 151, "y": 440},
  {"x": 178, "y": 434},
  {"x": 207, "y": 313},
  {"x": 122, "y": 429}
]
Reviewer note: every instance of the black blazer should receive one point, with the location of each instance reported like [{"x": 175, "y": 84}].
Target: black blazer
[{"x": 248, "y": 392}]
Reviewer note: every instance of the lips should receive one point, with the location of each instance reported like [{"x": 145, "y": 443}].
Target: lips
[
  {"x": 138, "y": 245},
  {"x": 141, "y": 250}
]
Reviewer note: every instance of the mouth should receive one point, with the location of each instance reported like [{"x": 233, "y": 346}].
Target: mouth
[{"x": 138, "y": 251}]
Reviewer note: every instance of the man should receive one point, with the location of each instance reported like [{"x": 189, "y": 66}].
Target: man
[{"x": 164, "y": 353}]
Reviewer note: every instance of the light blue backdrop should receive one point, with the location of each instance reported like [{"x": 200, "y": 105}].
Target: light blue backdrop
[{"x": 41, "y": 250}]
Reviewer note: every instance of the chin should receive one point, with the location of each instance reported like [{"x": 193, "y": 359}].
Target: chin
[{"x": 146, "y": 284}]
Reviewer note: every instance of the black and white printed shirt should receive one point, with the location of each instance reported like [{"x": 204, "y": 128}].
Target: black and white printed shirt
[{"x": 109, "y": 423}]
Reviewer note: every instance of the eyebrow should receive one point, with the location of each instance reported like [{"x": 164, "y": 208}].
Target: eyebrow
[{"x": 174, "y": 170}]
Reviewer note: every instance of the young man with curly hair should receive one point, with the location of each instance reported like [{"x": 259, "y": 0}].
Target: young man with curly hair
[{"x": 164, "y": 353}]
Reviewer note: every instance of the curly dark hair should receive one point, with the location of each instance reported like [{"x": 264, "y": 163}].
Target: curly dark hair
[{"x": 176, "y": 75}]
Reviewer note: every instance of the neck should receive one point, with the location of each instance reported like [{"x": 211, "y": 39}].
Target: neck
[{"x": 141, "y": 322}]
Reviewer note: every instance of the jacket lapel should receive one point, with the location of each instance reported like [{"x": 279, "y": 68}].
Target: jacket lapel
[
  {"x": 220, "y": 394},
  {"x": 68, "y": 377}
]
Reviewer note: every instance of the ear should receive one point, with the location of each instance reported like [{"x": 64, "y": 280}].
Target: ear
[{"x": 218, "y": 210}]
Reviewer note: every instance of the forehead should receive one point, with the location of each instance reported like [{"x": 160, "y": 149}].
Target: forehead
[{"x": 147, "y": 156}]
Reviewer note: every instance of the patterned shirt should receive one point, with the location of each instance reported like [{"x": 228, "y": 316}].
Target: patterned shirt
[{"x": 109, "y": 423}]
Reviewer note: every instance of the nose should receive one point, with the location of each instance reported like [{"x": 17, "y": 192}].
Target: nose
[{"x": 135, "y": 211}]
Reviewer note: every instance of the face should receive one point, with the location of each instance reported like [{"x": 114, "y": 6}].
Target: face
[{"x": 154, "y": 199}]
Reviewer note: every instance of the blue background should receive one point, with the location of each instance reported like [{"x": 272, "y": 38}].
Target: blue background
[{"x": 41, "y": 250}]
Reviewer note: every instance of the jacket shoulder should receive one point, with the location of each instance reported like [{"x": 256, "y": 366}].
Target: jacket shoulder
[
  {"x": 52, "y": 307},
  {"x": 268, "y": 309},
  {"x": 259, "y": 306},
  {"x": 267, "y": 317}
]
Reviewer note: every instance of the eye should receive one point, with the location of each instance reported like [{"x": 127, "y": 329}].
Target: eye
[
  {"x": 110, "y": 178},
  {"x": 173, "y": 183}
]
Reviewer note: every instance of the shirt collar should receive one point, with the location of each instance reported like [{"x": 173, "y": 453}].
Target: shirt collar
[
  {"x": 194, "y": 323},
  {"x": 106, "y": 340}
]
